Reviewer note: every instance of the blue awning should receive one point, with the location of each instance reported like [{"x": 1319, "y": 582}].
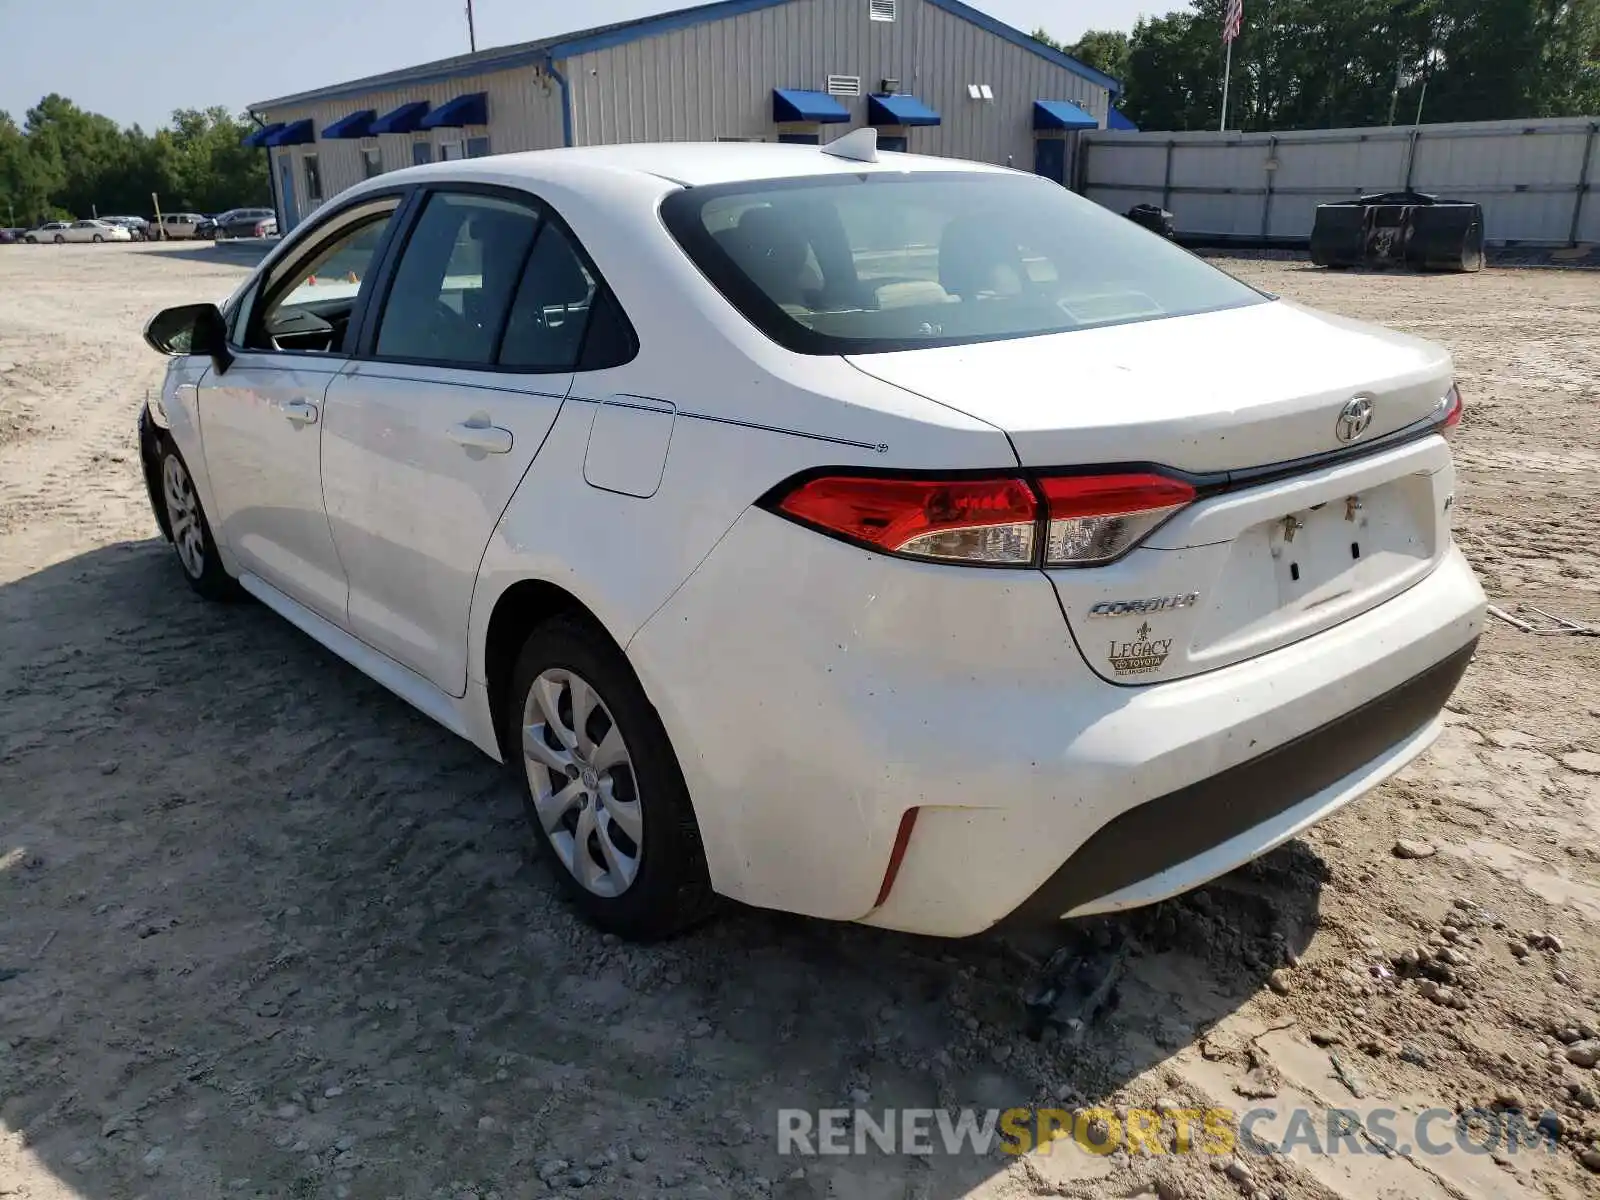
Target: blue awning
[
  {"x": 1061, "y": 114},
  {"x": 1116, "y": 120},
  {"x": 471, "y": 109},
  {"x": 899, "y": 109},
  {"x": 356, "y": 125},
  {"x": 792, "y": 104},
  {"x": 258, "y": 137},
  {"x": 295, "y": 133},
  {"x": 405, "y": 119}
]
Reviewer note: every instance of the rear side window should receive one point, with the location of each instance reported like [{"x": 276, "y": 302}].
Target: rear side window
[
  {"x": 456, "y": 280},
  {"x": 486, "y": 280},
  {"x": 877, "y": 261},
  {"x": 552, "y": 309}
]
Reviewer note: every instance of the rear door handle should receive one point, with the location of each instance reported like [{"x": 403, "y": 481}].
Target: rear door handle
[
  {"x": 301, "y": 412},
  {"x": 488, "y": 438}
]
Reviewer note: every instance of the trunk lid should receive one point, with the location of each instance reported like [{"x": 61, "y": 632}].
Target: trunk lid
[
  {"x": 1228, "y": 390},
  {"x": 1252, "y": 568}
]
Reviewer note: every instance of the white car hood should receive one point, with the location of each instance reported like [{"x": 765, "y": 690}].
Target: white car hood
[{"x": 1244, "y": 387}]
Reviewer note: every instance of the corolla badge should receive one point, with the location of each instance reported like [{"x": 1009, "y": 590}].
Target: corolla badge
[{"x": 1354, "y": 418}]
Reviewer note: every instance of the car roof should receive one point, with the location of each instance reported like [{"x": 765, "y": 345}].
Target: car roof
[{"x": 691, "y": 164}]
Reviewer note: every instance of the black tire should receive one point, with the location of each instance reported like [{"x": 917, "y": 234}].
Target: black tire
[
  {"x": 60, "y": 241},
  {"x": 672, "y": 889},
  {"x": 99, "y": 238},
  {"x": 195, "y": 548}
]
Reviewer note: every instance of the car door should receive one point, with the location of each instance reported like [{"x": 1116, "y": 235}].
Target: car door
[
  {"x": 428, "y": 433},
  {"x": 79, "y": 231},
  {"x": 261, "y": 419}
]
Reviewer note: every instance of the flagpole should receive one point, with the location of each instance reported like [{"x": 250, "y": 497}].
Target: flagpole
[{"x": 1227, "y": 72}]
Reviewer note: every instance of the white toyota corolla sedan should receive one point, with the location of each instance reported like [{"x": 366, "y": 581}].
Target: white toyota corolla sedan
[{"x": 882, "y": 538}]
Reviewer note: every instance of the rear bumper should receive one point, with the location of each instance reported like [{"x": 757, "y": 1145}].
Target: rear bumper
[
  {"x": 815, "y": 693},
  {"x": 1178, "y": 841}
]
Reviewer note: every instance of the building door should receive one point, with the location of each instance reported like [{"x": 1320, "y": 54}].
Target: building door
[
  {"x": 291, "y": 210},
  {"x": 1050, "y": 158}
]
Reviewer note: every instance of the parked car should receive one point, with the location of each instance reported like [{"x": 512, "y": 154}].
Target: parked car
[
  {"x": 50, "y": 231},
  {"x": 207, "y": 229},
  {"x": 10, "y": 236},
  {"x": 909, "y": 542},
  {"x": 79, "y": 231},
  {"x": 247, "y": 223},
  {"x": 181, "y": 226},
  {"x": 137, "y": 227}
]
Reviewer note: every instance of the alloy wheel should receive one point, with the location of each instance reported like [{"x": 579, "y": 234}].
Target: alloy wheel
[
  {"x": 581, "y": 775},
  {"x": 183, "y": 514}
]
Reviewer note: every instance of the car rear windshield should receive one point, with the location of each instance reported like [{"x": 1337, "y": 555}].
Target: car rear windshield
[{"x": 876, "y": 262}]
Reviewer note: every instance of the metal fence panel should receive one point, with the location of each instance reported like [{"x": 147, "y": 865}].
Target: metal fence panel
[{"x": 1535, "y": 179}]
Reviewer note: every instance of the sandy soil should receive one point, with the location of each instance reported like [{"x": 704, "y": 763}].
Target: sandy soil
[{"x": 265, "y": 931}]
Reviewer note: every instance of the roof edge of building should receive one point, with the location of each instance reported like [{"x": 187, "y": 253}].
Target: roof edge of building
[{"x": 567, "y": 45}]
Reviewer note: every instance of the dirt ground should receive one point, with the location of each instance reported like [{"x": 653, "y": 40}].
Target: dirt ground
[{"x": 265, "y": 931}]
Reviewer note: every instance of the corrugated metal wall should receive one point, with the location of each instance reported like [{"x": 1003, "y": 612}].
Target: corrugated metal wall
[
  {"x": 1532, "y": 177},
  {"x": 524, "y": 114},
  {"x": 716, "y": 80}
]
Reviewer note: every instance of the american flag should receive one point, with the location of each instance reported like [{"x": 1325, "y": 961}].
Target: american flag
[{"x": 1232, "y": 20}]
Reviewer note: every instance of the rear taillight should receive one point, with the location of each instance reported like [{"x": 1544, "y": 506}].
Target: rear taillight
[
  {"x": 991, "y": 521},
  {"x": 1096, "y": 518},
  {"x": 1453, "y": 409},
  {"x": 1054, "y": 521}
]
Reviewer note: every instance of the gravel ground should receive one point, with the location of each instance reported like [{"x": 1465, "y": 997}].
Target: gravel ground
[{"x": 265, "y": 931}]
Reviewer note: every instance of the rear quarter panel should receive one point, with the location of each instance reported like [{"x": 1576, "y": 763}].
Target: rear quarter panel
[{"x": 748, "y": 414}]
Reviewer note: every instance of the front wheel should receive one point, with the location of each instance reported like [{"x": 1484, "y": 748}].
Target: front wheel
[
  {"x": 99, "y": 238},
  {"x": 604, "y": 792},
  {"x": 60, "y": 241},
  {"x": 191, "y": 532}
]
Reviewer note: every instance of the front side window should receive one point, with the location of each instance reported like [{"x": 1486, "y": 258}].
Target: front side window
[
  {"x": 309, "y": 304},
  {"x": 456, "y": 279},
  {"x": 313, "y": 179},
  {"x": 874, "y": 262}
]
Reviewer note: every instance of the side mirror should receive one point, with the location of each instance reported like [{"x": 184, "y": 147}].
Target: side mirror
[{"x": 190, "y": 329}]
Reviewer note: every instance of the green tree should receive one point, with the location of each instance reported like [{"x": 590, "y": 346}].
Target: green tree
[
  {"x": 1106, "y": 50},
  {"x": 1301, "y": 64},
  {"x": 66, "y": 161},
  {"x": 25, "y": 181}
]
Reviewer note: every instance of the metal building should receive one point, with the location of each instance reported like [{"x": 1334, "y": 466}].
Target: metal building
[{"x": 934, "y": 76}]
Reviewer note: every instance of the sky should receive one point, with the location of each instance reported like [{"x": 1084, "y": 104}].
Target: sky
[{"x": 137, "y": 62}]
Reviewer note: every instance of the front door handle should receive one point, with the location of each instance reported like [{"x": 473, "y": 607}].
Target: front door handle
[
  {"x": 489, "y": 438},
  {"x": 301, "y": 412}
]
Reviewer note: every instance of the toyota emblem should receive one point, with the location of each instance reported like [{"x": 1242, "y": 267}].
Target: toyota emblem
[{"x": 1354, "y": 418}]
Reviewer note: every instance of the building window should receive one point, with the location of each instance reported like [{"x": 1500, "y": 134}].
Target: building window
[
  {"x": 371, "y": 162},
  {"x": 449, "y": 151},
  {"x": 880, "y": 10},
  {"x": 800, "y": 139},
  {"x": 478, "y": 147},
  {"x": 313, "y": 179},
  {"x": 421, "y": 152}
]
